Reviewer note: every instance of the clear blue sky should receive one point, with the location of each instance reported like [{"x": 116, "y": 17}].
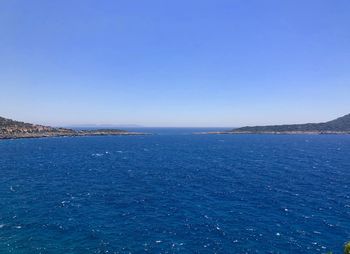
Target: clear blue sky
[{"x": 174, "y": 63}]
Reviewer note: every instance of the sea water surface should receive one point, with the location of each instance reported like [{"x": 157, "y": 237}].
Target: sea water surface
[{"x": 175, "y": 193}]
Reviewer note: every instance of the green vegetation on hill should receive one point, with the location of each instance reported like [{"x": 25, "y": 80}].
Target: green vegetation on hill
[
  {"x": 339, "y": 125},
  {"x": 347, "y": 248}
]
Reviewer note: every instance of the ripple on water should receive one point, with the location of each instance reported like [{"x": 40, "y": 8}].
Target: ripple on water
[{"x": 175, "y": 194}]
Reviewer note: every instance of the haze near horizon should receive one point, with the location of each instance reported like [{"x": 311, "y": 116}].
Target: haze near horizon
[{"x": 174, "y": 63}]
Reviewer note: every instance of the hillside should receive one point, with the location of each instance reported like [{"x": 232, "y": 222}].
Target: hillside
[
  {"x": 337, "y": 126},
  {"x": 15, "y": 129},
  {"x": 10, "y": 129}
]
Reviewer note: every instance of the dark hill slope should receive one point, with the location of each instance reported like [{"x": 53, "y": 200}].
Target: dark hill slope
[{"x": 339, "y": 125}]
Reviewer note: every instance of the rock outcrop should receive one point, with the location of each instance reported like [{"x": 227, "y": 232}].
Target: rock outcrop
[{"x": 10, "y": 129}]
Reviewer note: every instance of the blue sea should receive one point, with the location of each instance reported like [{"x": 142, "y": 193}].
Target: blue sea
[{"x": 174, "y": 192}]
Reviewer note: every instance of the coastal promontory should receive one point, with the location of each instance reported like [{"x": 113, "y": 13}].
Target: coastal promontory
[
  {"x": 340, "y": 125},
  {"x": 10, "y": 129}
]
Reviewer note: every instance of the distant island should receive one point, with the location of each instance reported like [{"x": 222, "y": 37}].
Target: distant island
[
  {"x": 10, "y": 129},
  {"x": 340, "y": 125}
]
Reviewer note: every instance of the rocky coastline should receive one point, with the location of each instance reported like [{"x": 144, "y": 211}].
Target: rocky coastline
[
  {"x": 10, "y": 129},
  {"x": 338, "y": 126},
  {"x": 279, "y": 132}
]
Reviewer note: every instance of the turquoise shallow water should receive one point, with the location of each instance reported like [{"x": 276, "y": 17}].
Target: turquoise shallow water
[{"x": 175, "y": 193}]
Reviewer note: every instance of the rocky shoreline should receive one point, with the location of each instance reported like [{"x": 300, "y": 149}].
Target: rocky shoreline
[
  {"x": 74, "y": 134},
  {"x": 279, "y": 132},
  {"x": 10, "y": 129},
  {"x": 337, "y": 126}
]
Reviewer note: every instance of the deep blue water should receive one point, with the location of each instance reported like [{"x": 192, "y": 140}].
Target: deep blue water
[{"x": 175, "y": 193}]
